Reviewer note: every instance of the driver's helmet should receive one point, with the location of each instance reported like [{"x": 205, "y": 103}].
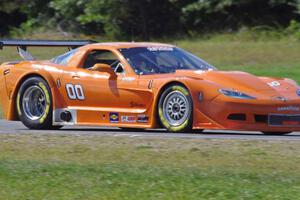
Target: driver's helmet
[{"x": 140, "y": 65}]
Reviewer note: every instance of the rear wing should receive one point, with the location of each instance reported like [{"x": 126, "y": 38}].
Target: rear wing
[{"x": 23, "y": 44}]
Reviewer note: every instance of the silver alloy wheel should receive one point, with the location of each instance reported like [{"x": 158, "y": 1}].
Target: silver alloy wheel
[
  {"x": 34, "y": 102},
  {"x": 176, "y": 108}
]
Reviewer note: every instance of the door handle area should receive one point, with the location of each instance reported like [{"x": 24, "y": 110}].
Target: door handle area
[{"x": 76, "y": 77}]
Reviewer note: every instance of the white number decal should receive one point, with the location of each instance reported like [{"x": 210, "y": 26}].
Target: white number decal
[
  {"x": 75, "y": 92},
  {"x": 274, "y": 84},
  {"x": 79, "y": 92},
  {"x": 71, "y": 91}
]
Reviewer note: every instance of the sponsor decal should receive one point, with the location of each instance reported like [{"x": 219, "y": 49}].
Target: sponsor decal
[
  {"x": 128, "y": 79},
  {"x": 143, "y": 118},
  {"x": 160, "y": 48},
  {"x": 135, "y": 104},
  {"x": 290, "y": 123},
  {"x": 281, "y": 99},
  {"x": 58, "y": 83},
  {"x": 274, "y": 84},
  {"x": 47, "y": 109},
  {"x": 128, "y": 119},
  {"x": 298, "y": 92},
  {"x": 150, "y": 84},
  {"x": 289, "y": 108},
  {"x": 114, "y": 117}
]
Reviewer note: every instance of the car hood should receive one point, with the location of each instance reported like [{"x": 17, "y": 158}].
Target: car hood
[
  {"x": 237, "y": 80},
  {"x": 245, "y": 82}
]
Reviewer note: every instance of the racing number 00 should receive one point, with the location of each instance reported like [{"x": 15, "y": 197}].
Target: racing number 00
[{"x": 75, "y": 92}]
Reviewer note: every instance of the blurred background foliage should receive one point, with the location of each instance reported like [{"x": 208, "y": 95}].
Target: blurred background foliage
[{"x": 148, "y": 19}]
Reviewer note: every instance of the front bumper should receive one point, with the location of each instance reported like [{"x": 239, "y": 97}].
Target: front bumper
[{"x": 248, "y": 115}]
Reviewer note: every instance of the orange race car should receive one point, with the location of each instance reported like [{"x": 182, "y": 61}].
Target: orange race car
[{"x": 141, "y": 85}]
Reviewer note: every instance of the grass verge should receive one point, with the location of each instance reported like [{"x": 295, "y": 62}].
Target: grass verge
[
  {"x": 91, "y": 167},
  {"x": 270, "y": 58},
  {"x": 94, "y": 167}
]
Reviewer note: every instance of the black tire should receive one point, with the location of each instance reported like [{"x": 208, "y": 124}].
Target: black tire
[
  {"x": 132, "y": 129},
  {"x": 195, "y": 131},
  {"x": 185, "y": 123},
  {"x": 276, "y": 133},
  {"x": 41, "y": 89}
]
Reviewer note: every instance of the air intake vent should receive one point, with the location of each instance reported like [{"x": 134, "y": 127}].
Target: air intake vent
[
  {"x": 261, "y": 118},
  {"x": 237, "y": 117}
]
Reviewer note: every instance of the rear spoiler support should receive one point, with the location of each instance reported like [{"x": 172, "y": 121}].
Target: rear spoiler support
[{"x": 23, "y": 44}]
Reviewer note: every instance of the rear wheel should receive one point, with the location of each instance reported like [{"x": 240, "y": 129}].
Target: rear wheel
[
  {"x": 34, "y": 104},
  {"x": 276, "y": 133},
  {"x": 175, "y": 109}
]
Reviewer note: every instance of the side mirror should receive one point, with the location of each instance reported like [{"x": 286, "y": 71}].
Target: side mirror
[{"x": 101, "y": 67}]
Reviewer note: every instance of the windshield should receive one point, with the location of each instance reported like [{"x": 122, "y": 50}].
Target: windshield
[{"x": 158, "y": 60}]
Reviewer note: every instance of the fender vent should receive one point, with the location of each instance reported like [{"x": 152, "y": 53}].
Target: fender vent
[
  {"x": 237, "y": 117},
  {"x": 261, "y": 118}
]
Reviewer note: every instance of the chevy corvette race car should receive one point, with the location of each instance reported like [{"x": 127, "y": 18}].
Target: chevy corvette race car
[{"x": 141, "y": 85}]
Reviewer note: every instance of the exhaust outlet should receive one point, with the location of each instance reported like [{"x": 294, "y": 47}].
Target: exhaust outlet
[{"x": 66, "y": 116}]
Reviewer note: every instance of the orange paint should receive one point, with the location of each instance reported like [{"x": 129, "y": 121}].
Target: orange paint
[{"x": 95, "y": 95}]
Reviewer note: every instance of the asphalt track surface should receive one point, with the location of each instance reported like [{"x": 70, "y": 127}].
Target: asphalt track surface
[{"x": 7, "y": 127}]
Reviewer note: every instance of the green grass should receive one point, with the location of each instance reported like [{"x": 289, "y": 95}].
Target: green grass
[
  {"x": 91, "y": 167},
  {"x": 271, "y": 58},
  {"x": 11, "y": 54},
  {"x": 95, "y": 167}
]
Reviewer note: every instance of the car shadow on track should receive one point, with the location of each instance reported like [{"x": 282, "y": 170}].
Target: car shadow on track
[
  {"x": 164, "y": 132},
  {"x": 249, "y": 134}
]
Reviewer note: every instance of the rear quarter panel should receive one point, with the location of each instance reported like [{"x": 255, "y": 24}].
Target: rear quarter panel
[
  {"x": 5, "y": 100},
  {"x": 18, "y": 74}
]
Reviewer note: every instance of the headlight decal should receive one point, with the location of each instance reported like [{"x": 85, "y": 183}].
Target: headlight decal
[{"x": 235, "y": 94}]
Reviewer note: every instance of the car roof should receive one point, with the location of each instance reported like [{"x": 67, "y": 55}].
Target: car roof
[{"x": 119, "y": 45}]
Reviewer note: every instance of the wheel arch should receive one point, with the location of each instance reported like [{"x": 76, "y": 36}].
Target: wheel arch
[
  {"x": 13, "y": 110},
  {"x": 160, "y": 91}
]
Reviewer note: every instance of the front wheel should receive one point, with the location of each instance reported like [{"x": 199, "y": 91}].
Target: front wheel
[
  {"x": 175, "y": 109},
  {"x": 34, "y": 104}
]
